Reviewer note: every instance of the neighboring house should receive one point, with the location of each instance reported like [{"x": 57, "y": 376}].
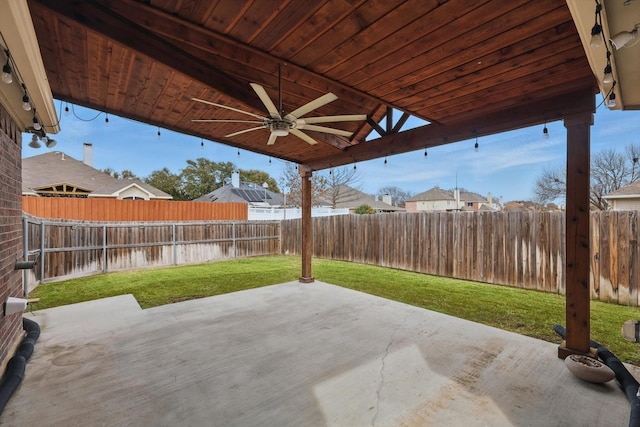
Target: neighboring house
[
  {"x": 56, "y": 174},
  {"x": 236, "y": 191},
  {"x": 437, "y": 199},
  {"x": 626, "y": 198},
  {"x": 350, "y": 198}
]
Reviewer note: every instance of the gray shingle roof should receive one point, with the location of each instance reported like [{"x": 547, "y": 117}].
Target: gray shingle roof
[
  {"x": 55, "y": 168},
  {"x": 432, "y": 194},
  {"x": 351, "y": 198},
  {"x": 437, "y": 193},
  {"x": 627, "y": 191}
]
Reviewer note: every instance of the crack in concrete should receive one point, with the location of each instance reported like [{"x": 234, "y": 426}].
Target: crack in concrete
[{"x": 384, "y": 356}]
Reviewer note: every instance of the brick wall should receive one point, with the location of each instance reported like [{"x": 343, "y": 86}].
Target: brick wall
[{"x": 10, "y": 230}]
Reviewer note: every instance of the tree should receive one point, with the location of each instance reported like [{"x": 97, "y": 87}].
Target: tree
[
  {"x": 338, "y": 182},
  {"x": 202, "y": 176},
  {"x": 610, "y": 171},
  {"x": 551, "y": 185},
  {"x": 166, "y": 181},
  {"x": 291, "y": 184},
  {"x": 398, "y": 195},
  {"x": 259, "y": 177},
  {"x": 125, "y": 174},
  {"x": 364, "y": 209}
]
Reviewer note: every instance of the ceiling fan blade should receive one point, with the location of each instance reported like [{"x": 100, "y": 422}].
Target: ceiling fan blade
[
  {"x": 264, "y": 97},
  {"x": 272, "y": 139},
  {"x": 335, "y": 119},
  {"x": 324, "y": 129},
  {"x": 225, "y": 121},
  {"x": 229, "y": 108},
  {"x": 310, "y": 106},
  {"x": 303, "y": 136},
  {"x": 244, "y": 131}
]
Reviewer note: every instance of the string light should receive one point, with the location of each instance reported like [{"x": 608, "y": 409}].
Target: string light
[
  {"x": 611, "y": 102},
  {"x": 6, "y": 70},
  {"x": 106, "y": 119},
  {"x": 269, "y": 160},
  {"x": 355, "y": 166},
  {"x": 608, "y": 74},
  {"x": 158, "y": 133},
  {"x": 238, "y": 152},
  {"x": 385, "y": 161},
  {"x": 596, "y": 30},
  {"x": 545, "y": 131},
  {"x": 36, "y": 123},
  {"x": 477, "y": 146},
  {"x": 425, "y": 152},
  {"x": 202, "y": 143},
  {"x": 66, "y": 110},
  {"x": 26, "y": 104}
]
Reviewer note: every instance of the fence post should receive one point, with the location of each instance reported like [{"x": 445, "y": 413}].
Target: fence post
[
  {"x": 104, "y": 248},
  {"x": 25, "y": 253},
  {"x": 233, "y": 240},
  {"x": 42, "y": 254},
  {"x": 173, "y": 244}
]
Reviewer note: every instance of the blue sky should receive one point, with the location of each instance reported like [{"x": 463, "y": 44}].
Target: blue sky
[{"x": 506, "y": 164}]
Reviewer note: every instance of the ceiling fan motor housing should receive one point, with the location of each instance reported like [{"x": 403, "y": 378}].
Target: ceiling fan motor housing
[{"x": 280, "y": 127}]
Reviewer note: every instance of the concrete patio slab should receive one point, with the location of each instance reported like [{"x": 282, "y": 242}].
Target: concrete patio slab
[{"x": 295, "y": 355}]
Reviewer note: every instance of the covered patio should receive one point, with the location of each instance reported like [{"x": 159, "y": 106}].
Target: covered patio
[
  {"x": 293, "y": 355},
  {"x": 296, "y": 354}
]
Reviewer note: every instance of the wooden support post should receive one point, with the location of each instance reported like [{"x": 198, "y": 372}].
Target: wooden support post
[
  {"x": 577, "y": 236},
  {"x": 307, "y": 235}
]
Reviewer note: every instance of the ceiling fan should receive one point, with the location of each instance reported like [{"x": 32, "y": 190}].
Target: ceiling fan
[{"x": 281, "y": 124}]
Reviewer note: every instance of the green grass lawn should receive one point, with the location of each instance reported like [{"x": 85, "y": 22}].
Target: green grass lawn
[{"x": 523, "y": 311}]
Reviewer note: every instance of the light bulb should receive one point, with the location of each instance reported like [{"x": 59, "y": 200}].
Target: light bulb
[
  {"x": 26, "y": 105},
  {"x": 66, "y": 110},
  {"x": 608, "y": 75},
  {"x": 36, "y": 124},
  {"x": 106, "y": 120},
  {"x": 34, "y": 142},
  {"x": 596, "y": 36},
  {"x": 158, "y": 133},
  {"x": 6, "y": 74},
  {"x": 611, "y": 102},
  {"x": 545, "y": 132},
  {"x": 476, "y": 147}
]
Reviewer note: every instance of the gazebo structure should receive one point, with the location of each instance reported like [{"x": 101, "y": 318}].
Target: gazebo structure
[{"x": 469, "y": 69}]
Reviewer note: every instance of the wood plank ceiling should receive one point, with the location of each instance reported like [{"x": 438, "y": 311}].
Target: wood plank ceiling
[{"x": 469, "y": 68}]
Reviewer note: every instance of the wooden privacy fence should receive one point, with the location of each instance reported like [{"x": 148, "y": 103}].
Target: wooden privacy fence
[
  {"x": 520, "y": 249},
  {"x": 97, "y": 209},
  {"x": 67, "y": 249}
]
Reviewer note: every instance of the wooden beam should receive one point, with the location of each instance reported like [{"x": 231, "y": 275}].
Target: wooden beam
[
  {"x": 578, "y": 295},
  {"x": 307, "y": 233},
  {"x": 403, "y": 119},
  {"x": 434, "y": 134}
]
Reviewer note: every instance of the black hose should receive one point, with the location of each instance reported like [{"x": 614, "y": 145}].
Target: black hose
[
  {"x": 627, "y": 382},
  {"x": 16, "y": 366}
]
